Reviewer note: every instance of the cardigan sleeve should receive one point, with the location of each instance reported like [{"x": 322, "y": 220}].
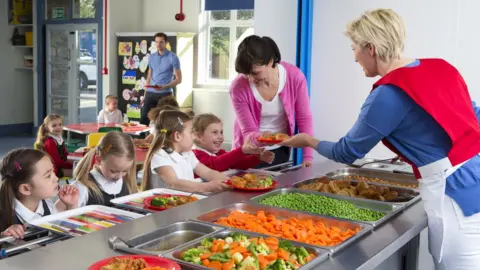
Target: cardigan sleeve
[{"x": 303, "y": 114}]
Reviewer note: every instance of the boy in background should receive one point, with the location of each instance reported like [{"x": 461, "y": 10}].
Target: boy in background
[{"x": 111, "y": 113}]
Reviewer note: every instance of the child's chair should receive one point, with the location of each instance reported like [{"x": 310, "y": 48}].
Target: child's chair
[
  {"x": 94, "y": 138},
  {"x": 108, "y": 129}
]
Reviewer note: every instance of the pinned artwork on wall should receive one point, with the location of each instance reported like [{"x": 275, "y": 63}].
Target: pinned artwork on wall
[
  {"x": 125, "y": 48},
  {"x": 133, "y": 56}
]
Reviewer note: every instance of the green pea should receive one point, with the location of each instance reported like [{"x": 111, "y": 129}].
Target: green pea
[{"x": 322, "y": 205}]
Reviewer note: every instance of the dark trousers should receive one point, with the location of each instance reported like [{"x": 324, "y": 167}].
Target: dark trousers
[
  {"x": 150, "y": 102},
  {"x": 282, "y": 155}
]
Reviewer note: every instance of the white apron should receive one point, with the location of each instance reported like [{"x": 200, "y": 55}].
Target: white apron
[{"x": 445, "y": 218}]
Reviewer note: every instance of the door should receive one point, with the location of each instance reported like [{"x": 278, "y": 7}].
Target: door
[{"x": 72, "y": 72}]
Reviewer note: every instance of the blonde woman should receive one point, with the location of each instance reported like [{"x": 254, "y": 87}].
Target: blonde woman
[{"x": 421, "y": 110}]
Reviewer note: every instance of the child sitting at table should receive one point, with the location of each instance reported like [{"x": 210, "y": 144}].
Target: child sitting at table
[
  {"x": 114, "y": 172},
  {"x": 170, "y": 161},
  {"x": 28, "y": 181},
  {"x": 49, "y": 139},
  {"x": 111, "y": 113},
  {"x": 209, "y": 138}
]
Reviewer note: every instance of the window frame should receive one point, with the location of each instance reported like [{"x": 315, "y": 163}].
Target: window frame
[{"x": 205, "y": 23}]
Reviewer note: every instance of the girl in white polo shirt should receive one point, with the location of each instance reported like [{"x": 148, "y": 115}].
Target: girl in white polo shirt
[{"x": 170, "y": 161}]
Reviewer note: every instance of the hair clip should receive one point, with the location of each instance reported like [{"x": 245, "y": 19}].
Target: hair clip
[
  {"x": 106, "y": 149},
  {"x": 180, "y": 121},
  {"x": 163, "y": 131},
  {"x": 17, "y": 166}
]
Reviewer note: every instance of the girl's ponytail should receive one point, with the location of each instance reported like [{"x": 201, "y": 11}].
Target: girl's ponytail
[
  {"x": 42, "y": 135},
  {"x": 82, "y": 171},
  {"x": 7, "y": 195},
  {"x": 157, "y": 144}
]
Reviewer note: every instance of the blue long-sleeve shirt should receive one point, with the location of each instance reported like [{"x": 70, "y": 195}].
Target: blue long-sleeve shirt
[{"x": 390, "y": 113}]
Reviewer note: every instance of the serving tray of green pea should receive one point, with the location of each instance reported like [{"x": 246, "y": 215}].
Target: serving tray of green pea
[{"x": 347, "y": 208}]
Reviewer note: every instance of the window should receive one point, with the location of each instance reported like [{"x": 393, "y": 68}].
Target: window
[{"x": 220, "y": 34}]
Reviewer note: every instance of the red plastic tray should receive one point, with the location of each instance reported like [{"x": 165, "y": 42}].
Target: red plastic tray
[
  {"x": 274, "y": 185},
  {"x": 152, "y": 261},
  {"x": 147, "y": 202}
]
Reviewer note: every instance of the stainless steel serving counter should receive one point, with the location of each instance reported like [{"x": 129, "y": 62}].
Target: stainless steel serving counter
[{"x": 400, "y": 234}]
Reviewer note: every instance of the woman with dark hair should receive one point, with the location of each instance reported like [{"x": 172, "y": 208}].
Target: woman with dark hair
[{"x": 269, "y": 96}]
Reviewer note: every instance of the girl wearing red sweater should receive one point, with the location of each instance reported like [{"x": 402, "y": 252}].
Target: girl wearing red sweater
[
  {"x": 49, "y": 139},
  {"x": 209, "y": 138}
]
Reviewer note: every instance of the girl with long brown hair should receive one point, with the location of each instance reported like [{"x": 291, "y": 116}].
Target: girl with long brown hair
[{"x": 28, "y": 181}]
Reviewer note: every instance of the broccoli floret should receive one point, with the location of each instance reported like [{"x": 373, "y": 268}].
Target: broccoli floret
[
  {"x": 221, "y": 257},
  {"x": 229, "y": 240},
  {"x": 277, "y": 265},
  {"x": 290, "y": 266},
  {"x": 262, "y": 249},
  {"x": 238, "y": 236},
  {"x": 253, "y": 249},
  {"x": 192, "y": 255},
  {"x": 207, "y": 242},
  {"x": 302, "y": 255},
  {"x": 268, "y": 181},
  {"x": 249, "y": 263},
  {"x": 286, "y": 245}
]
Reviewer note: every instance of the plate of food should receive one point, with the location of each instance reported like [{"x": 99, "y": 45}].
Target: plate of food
[
  {"x": 166, "y": 201},
  {"x": 274, "y": 138},
  {"x": 153, "y": 86},
  {"x": 135, "y": 262},
  {"x": 252, "y": 182},
  {"x": 130, "y": 125},
  {"x": 143, "y": 146}
]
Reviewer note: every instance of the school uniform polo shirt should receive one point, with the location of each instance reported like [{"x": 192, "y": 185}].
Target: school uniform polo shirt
[{"x": 182, "y": 164}]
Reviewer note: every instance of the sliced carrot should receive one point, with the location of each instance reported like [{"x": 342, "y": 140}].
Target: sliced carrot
[
  {"x": 228, "y": 265},
  {"x": 215, "y": 265},
  {"x": 272, "y": 256},
  {"x": 205, "y": 255},
  {"x": 206, "y": 262}
]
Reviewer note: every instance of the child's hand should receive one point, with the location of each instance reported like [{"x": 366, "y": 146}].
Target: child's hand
[
  {"x": 16, "y": 230},
  {"x": 216, "y": 186},
  {"x": 68, "y": 195},
  {"x": 249, "y": 148},
  {"x": 267, "y": 156}
]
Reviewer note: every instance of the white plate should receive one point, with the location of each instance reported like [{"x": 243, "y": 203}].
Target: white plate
[
  {"x": 63, "y": 223},
  {"x": 135, "y": 201}
]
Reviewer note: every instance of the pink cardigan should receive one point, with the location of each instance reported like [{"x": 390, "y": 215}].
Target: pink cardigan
[{"x": 295, "y": 101}]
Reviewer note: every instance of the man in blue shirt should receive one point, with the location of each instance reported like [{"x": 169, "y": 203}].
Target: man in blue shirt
[{"x": 163, "y": 73}]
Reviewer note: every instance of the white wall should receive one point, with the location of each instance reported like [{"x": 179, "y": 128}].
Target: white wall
[
  {"x": 278, "y": 20},
  {"x": 16, "y": 88},
  {"x": 122, "y": 16},
  {"x": 159, "y": 15},
  {"x": 435, "y": 28}
]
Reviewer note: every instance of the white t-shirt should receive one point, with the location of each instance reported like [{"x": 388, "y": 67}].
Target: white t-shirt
[
  {"x": 108, "y": 117},
  {"x": 182, "y": 164},
  {"x": 110, "y": 187},
  {"x": 273, "y": 116},
  {"x": 25, "y": 215}
]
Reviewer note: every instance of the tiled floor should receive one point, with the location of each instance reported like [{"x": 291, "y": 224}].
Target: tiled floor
[{"x": 12, "y": 142}]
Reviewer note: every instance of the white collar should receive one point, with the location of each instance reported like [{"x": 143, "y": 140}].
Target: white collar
[
  {"x": 105, "y": 184},
  {"x": 204, "y": 150},
  {"x": 57, "y": 138},
  {"x": 175, "y": 156},
  {"x": 24, "y": 214}
]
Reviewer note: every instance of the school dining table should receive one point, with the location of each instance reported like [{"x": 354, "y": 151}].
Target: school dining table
[{"x": 87, "y": 128}]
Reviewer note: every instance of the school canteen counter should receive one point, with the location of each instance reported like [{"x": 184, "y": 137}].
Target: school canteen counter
[{"x": 391, "y": 245}]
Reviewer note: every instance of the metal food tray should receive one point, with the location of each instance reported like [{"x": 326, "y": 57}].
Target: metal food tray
[
  {"x": 414, "y": 194},
  {"x": 390, "y": 209},
  {"x": 280, "y": 213},
  {"x": 399, "y": 178},
  {"x": 165, "y": 239},
  {"x": 175, "y": 254}
]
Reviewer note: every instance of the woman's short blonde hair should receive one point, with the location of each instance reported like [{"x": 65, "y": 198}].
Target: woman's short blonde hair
[{"x": 383, "y": 28}]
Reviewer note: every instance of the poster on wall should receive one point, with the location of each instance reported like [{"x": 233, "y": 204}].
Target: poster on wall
[{"x": 133, "y": 53}]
